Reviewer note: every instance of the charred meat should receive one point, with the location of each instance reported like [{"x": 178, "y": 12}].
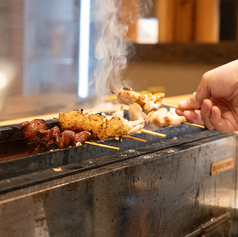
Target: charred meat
[
  {"x": 36, "y": 132},
  {"x": 31, "y": 128}
]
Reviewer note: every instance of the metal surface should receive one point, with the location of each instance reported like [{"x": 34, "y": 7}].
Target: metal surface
[
  {"x": 217, "y": 227},
  {"x": 168, "y": 192}
]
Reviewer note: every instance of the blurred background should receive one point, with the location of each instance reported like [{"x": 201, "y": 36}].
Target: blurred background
[{"x": 69, "y": 54}]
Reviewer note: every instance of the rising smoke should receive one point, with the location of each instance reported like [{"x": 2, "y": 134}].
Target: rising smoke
[{"x": 113, "y": 47}]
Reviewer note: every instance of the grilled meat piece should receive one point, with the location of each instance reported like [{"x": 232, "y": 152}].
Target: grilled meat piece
[
  {"x": 101, "y": 126},
  {"x": 126, "y": 95},
  {"x": 111, "y": 128},
  {"x": 173, "y": 119},
  {"x": 133, "y": 127},
  {"x": 82, "y": 137},
  {"x": 147, "y": 102},
  {"x": 48, "y": 134},
  {"x": 156, "y": 119},
  {"x": 65, "y": 139},
  {"x": 136, "y": 113},
  {"x": 36, "y": 131},
  {"x": 79, "y": 121},
  {"x": 68, "y": 138},
  {"x": 31, "y": 128},
  {"x": 163, "y": 118},
  {"x": 150, "y": 102}
]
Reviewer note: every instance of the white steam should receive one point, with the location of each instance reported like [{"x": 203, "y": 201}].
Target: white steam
[{"x": 113, "y": 46}]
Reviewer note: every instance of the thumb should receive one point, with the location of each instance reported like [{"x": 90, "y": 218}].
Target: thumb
[{"x": 191, "y": 103}]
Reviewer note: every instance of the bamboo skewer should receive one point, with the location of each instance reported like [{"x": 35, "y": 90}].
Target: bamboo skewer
[
  {"x": 134, "y": 138},
  {"x": 153, "y": 133},
  {"x": 176, "y": 107},
  {"x": 102, "y": 145},
  {"x": 169, "y": 105},
  {"x": 195, "y": 125}
]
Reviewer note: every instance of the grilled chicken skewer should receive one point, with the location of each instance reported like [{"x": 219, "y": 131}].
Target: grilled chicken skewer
[
  {"x": 156, "y": 119},
  {"x": 102, "y": 126},
  {"x": 149, "y": 108},
  {"x": 149, "y": 102},
  {"x": 79, "y": 127}
]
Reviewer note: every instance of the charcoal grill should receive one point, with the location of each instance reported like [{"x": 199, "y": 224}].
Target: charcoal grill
[{"x": 163, "y": 187}]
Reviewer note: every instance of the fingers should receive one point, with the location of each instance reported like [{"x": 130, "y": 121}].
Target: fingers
[
  {"x": 220, "y": 124},
  {"x": 203, "y": 92},
  {"x": 187, "y": 108},
  {"x": 204, "y": 88},
  {"x": 212, "y": 117},
  {"x": 217, "y": 121},
  {"x": 192, "y": 117},
  {"x": 206, "y": 112}
]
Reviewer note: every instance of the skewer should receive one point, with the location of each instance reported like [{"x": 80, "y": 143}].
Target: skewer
[
  {"x": 169, "y": 105},
  {"x": 175, "y": 107},
  {"x": 102, "y": 145},
  {"x": 134, "y": 138},
  {"x": 153, "y": 133},
  {"x": 195, "y": 125}
]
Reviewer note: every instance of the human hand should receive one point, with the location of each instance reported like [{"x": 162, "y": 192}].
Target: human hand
[{"x": 215, "y": 103}]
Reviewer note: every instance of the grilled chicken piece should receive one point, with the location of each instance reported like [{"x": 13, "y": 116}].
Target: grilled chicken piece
[
  {"x": 157, "y": 118},
  {"x": 79, "y": 121},
  {"x": 173, "y": 119},
  {"x": 111, "y": 128},
  {"x": 126, "y": 95},
  {"x": 136, "y": 113},
  {"x": 133, "y": 127},
  {"x": 149, "y": 102},
  {"x": 163, "y": 118}
]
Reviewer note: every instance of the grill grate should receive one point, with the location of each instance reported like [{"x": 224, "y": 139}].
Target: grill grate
[{"x": 22, "y": 166}]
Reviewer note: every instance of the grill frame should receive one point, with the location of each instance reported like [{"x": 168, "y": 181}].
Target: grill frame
[{"x": 23, "y": 166}]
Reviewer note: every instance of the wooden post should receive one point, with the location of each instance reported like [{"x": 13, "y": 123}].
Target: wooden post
[
  {"x": 207, "y": 21},
  {"x": 165, "y": 16},
  {"x": 184, "y": 20}
]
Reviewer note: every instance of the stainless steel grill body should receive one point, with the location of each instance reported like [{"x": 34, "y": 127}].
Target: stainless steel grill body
[{"x": 168, "y": 192}]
